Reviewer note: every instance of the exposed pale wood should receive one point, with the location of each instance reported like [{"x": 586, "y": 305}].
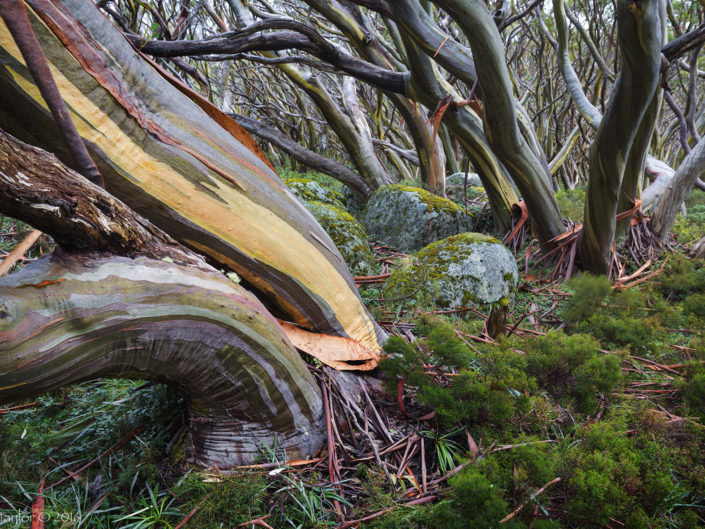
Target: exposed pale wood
[{"x": 18, "y": 251}]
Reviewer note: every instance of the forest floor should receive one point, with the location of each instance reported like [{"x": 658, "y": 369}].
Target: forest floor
[{"x": 588, "y": 413}]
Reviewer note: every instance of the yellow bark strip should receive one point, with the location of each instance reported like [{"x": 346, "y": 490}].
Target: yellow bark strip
[
  {"x": 236, "y": 219},
  {"x": 340, "y": 353}
]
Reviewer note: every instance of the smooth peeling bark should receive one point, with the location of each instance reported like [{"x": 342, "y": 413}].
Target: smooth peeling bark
[
  {"x": 640, "y": 32},
  {"x": 680, "y": 186},
  {"x": 69, "y": 318},
  {"x": 171, "y": 162}
]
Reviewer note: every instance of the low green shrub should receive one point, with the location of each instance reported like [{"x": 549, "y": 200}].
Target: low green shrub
[
  {"x": 572, "y": 367},
  {"x": 572, "y": 203},
  {"x": 484, "y": 390}
]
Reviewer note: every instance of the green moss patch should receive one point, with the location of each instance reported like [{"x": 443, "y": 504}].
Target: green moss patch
[
  {"x": 409, "y": 218},
  {"x": 348, "y": 235},
  {"x": 310, "y": 190}
]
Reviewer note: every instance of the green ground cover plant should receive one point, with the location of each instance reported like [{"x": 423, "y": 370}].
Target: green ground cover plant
[{"x": 588, "y": 414}]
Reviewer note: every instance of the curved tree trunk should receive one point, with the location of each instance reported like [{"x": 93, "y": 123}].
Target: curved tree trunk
[
  {"x": 427, "y": 88},
  {"x": 69, "y": 318},
  {"x": 630, "y": 189},
  {"x": 192, "y": 171},
  {"x": 120, "y": 298},
  {"x": 357, "y": 145},
  {"x": 309, "y": 158},
  {"x": 356, "y": 27},
  {"x": 502, "y": 126},
  {"x": 680, "y": 186},
  {"x": 640, "y": 31}
]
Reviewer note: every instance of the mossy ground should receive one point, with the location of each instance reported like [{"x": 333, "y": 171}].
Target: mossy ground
[{"x": 606, "y": 413}]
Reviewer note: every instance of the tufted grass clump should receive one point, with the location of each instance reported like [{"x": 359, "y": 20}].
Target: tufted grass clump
[{"x": 236, "y": 498}]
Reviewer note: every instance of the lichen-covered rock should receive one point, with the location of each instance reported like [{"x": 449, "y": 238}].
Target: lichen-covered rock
[
  {"x": 458, "y": 179},
  {"x": 455, "y": 185},
  {"x": 312, "y": 191},
  {"x": 353, "y": 204},
  {"x": 347, "y": 234},
  {"x": 466, "y": 270},
  {"x": 409, "y": 218}
]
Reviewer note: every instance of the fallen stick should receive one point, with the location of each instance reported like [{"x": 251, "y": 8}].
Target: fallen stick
[
  {"x": 257, "y": 521},
  {"x": 5, "y": 411},
  {"x": 38, "y": 509},
  {"x": 531, "y": 498},
  {"x": 417, "y": 501},
  {"x": 18, "y": 252},
  {"x": 193, "y": 513}
]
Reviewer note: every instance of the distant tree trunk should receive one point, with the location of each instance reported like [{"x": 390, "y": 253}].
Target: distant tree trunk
[
  {"x": 315, "y": 161},
  {"x": 357, "y": 28},
  {"x": 680, "y": 186},
  {"x": 429, "y": 89},
  {"x": 120, "y": 298},
  {"x": 358, "y": 147},
  {"x": 640, "y": 31}
]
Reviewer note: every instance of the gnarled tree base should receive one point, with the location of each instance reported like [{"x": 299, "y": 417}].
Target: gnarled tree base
[{"x": 69, "y": 318}]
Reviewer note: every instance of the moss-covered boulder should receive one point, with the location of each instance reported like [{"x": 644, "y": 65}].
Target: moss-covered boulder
[
  {"x": 466, "y": 270},
  {"x": 311, "y": 191},
  {"x": 353, "y": 204},
  {"x": 455, "y": 184},
  {"x": 409, "y": 218},
  {"x": 347, "y": 234},
  {"x": 459, "y": 178}
]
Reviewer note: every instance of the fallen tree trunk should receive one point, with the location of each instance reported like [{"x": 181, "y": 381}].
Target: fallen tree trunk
[{"x": 120, "y": 298}]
